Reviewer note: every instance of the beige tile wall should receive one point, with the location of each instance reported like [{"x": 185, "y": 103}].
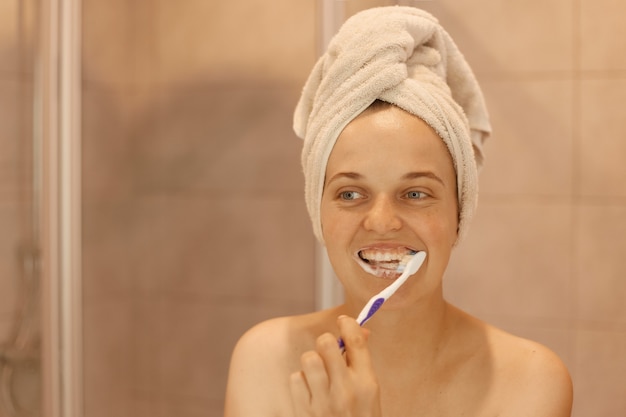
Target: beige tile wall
[{"x": 194, "y": 222}]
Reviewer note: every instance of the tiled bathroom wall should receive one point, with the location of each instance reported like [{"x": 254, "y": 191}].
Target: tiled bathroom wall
[{"x": 194, "y": 222}]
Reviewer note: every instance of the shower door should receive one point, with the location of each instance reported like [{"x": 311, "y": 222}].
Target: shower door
[
  {"x": 39, "y": 304},
  {"x": 20, "y": 362}
]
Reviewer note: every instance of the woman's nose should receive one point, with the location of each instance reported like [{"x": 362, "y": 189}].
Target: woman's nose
[{"x": 382, "y": 216}]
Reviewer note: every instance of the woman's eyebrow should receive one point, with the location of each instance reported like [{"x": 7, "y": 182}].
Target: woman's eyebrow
[
  {"x": 423, "y": 174},
  {"x": 409, "y": 176},
  {"x": 348, "y": 175}
]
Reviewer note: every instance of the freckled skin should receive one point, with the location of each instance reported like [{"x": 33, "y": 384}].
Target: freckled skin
[{"x": 390, "y": 183}]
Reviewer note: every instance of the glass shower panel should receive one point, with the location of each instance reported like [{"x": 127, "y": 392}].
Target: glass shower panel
[{"x": 20, "y": 371}]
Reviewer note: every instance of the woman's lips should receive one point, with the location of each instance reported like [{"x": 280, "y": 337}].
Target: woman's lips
[{"x": 382, "y": 262}]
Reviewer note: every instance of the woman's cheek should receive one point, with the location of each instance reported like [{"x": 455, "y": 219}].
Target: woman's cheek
[{"x": 441, "y": 226}]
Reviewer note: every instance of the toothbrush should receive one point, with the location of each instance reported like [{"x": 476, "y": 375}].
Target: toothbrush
[{"x": 408, "y": 266}]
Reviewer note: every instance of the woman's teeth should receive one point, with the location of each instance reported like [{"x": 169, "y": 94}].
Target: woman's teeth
[
  {"x": 375, "y": 256},
  {"x": 383, "y": 263}
]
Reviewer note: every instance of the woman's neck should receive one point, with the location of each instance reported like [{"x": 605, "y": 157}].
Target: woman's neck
[{"x": 417, "y": 335}]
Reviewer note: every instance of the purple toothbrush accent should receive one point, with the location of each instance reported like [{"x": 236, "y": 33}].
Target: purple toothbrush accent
[
  {"x": 373, "y": 309},
  {"x": 342, "y": 345},
  {"x": 375, "y": 306},
  {"x": 408, "y": 266}
]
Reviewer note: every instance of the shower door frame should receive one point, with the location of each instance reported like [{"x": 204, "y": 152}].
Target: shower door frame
[
  {"x": 57, "y": 130},
  {"x": 328, "y": 290}
]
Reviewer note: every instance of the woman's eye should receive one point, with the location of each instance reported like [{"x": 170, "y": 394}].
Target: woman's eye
[
  {"x": 415, "y": 195},
  {"x": 350, "y": 195}
]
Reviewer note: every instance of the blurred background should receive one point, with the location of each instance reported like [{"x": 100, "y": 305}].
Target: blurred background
[{"x": 192, "y": 218}]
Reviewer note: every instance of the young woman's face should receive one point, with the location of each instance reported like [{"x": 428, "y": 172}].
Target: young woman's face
[{"x": 390, "y": 188}]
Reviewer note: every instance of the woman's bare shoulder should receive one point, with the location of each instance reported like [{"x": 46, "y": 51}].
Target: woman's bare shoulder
[
  {"x": 268, "y": 348},
  {"x": 545, "y": 385},
  {"x": 261, "y": 362},
  {"x": 281, "y": 338},
  {"x": 532, "y": 377},
  {"x": 264, "y": 339}
]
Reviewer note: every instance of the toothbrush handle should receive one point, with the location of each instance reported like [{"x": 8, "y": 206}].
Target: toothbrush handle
[
  {"x": 372, "y": 307},
  {"x": 368, "y": 311},
  {"x": 376, "y": 301}
]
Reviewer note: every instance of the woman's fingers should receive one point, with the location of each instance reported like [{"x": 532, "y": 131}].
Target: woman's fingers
[
  {"x": 355, "y": 340},
  {"x": 310, "y": 386},
  {"x": 331, "y": 384},
  {"x": 334, "y": 361},
  {"x": 300, "y": 394},
  {"x": 315, "y": 374},
  {"x": 365, "y": 389}
]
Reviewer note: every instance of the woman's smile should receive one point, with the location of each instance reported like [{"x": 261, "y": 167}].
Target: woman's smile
[{"x": 383, "y": 262}]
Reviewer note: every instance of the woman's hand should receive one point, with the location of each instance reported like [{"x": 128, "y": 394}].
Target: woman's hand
[{"x": 331, "y": 385}]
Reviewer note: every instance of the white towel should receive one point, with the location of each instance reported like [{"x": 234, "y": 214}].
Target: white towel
[{"x": 401, "y": 55}]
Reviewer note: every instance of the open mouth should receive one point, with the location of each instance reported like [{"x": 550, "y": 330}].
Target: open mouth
[{"x": 383, "y": 263}]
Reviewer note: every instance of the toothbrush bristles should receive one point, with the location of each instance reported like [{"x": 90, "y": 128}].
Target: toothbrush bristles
[{"x": 405, "y": 260}]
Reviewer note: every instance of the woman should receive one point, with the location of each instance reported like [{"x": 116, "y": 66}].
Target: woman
[{"x": 393, "y": 123}]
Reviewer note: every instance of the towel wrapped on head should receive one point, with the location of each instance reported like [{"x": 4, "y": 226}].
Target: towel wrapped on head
[{"x": 403, "y": 56}]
